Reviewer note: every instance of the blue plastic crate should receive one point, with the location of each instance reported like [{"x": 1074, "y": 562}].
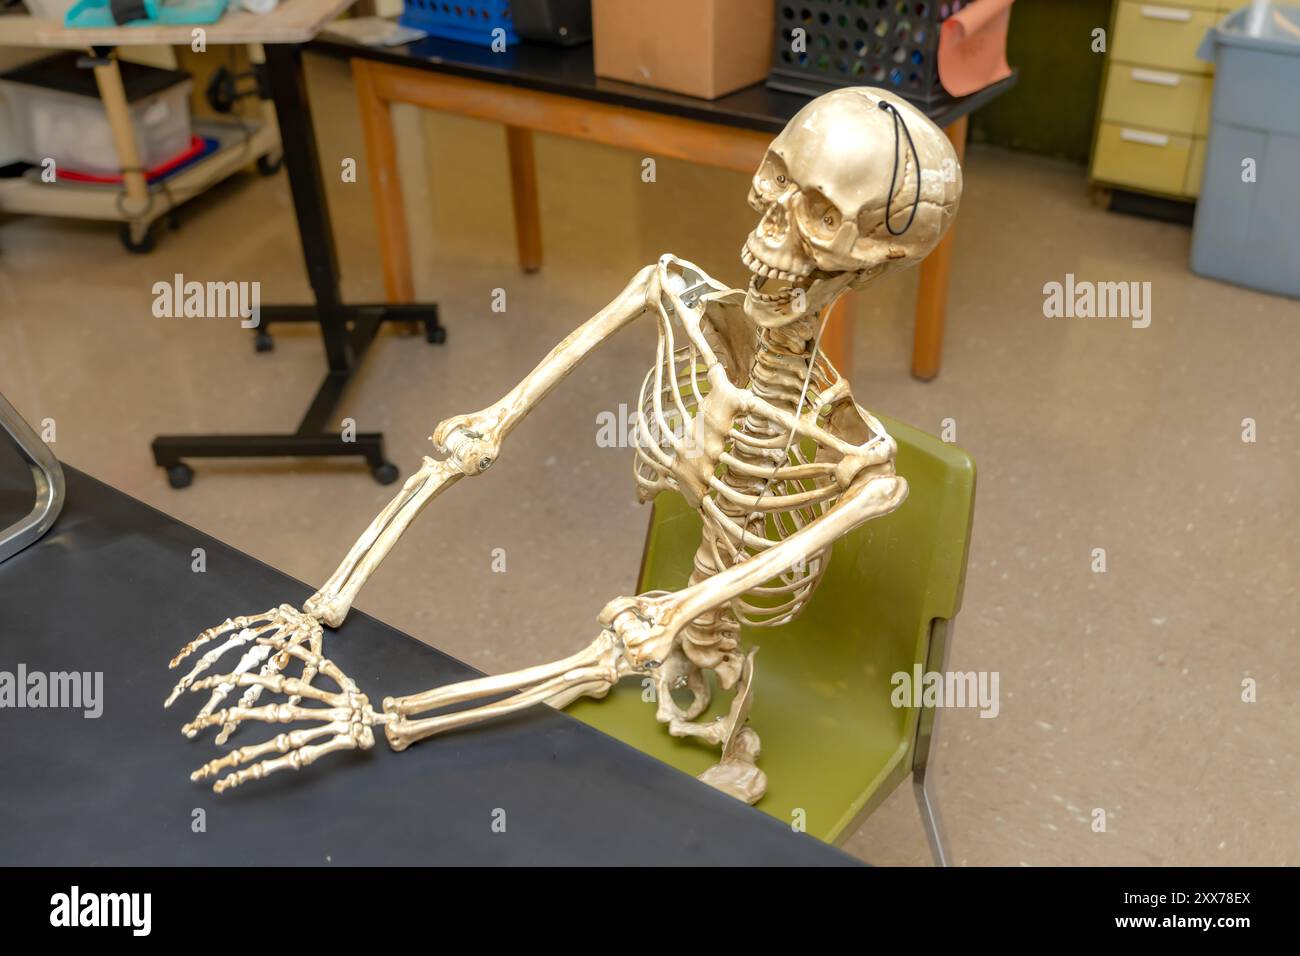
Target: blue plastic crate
[{"x": 469, "y": 21}]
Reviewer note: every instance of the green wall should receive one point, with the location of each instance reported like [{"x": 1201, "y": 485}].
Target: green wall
[{"x": 1052, "y": 108}]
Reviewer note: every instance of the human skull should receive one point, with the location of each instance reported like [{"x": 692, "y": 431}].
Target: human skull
[{"x": 823, "y": 188}]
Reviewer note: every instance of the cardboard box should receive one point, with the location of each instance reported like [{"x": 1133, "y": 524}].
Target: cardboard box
[{"x": 705, "y": 48}]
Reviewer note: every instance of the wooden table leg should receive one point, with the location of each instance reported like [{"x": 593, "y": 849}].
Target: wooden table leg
[
  {"x": 932, "y": 292},
  {"x": 113, "y": 94},
  {"x": 837, "y": 340},
  {"x": 523, "y": 192},
  {"x": 385, "y": 186}
]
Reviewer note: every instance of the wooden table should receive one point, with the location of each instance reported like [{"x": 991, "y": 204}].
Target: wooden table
[{"x": 537, "y": 88}]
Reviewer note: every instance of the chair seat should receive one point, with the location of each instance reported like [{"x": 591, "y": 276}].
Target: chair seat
[{"x": 833, "y": 744}]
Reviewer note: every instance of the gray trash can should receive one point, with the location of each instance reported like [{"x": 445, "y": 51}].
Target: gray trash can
[{"x": 1248, "y": 232}]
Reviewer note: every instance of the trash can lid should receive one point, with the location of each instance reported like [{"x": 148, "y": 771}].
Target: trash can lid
[{"x": 1278, "y": 31}]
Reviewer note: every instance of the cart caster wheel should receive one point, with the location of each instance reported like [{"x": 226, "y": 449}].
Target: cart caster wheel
[
  {"x": 268, "y": 166},
  {"x": 263, "y": 342},
  {"x": 180, "y": 476},
  {"x": 434, "y": 334},
  {"x": 145, "y": 244},
  {"x": 385, "y": 474}
]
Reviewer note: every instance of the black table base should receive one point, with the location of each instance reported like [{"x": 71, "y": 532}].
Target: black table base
[{"x": 347, "y": 330}]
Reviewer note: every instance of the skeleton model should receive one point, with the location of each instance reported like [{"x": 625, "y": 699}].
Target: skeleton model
[{"x": 740, "y": 413}]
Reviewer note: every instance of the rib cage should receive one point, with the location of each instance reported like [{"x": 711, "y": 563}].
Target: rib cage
[
  {"x": 764, "y": 494},
  {"x": 758, "y": 493}
]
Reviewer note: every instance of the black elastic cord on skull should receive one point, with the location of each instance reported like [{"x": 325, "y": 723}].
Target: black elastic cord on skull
[{"x": 889, "y": 205}]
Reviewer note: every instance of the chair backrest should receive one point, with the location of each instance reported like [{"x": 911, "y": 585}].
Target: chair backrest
[{"x": 834, "y": 745}]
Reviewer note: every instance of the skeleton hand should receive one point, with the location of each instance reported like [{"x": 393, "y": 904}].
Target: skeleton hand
[
  {"x": 345, "y": 719},
  {"x": 641, "y": 626},
  {"x": 290, "y": 626}
]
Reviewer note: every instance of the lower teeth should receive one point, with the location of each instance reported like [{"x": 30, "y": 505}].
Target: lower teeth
[{"x": 756, "y": 286}]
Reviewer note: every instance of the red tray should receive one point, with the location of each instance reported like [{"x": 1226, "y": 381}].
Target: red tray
[{"x": 196, "y": 148}]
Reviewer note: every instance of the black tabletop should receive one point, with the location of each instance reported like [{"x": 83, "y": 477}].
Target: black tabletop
[
  {"x": 111, "y": 590},
  {"x": 569, "y": 71}
]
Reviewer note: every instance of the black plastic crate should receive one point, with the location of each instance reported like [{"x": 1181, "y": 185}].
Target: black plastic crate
[{"x": 888, "y": 43}]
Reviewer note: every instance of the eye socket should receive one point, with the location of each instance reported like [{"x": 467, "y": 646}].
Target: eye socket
[
  {"x": 772, "y": 179},
  {"x": 820, "y": 218}
]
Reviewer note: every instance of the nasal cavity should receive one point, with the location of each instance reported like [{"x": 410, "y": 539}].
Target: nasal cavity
[{"x": 774, "y": 222}]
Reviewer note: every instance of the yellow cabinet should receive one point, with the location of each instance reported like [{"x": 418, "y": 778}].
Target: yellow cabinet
[
  {"x": 1159, "y": 99},
  {"x": 1162, "y": 35},
  {"x": 1155, "y": 108},
  {"x": 1144, "y": 158}
]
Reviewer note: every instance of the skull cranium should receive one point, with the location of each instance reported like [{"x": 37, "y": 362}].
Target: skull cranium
[{"x": 837, "y": 189}]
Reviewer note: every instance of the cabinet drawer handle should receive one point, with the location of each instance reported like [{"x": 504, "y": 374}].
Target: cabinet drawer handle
[
  {"x": 1167, "y": 13},
  {"x": 1142, "y": 136},
  {"x": 1156, "y": 77}
]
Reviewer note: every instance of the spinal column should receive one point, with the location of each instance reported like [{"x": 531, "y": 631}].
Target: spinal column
[{"x": 763, "y": 495}]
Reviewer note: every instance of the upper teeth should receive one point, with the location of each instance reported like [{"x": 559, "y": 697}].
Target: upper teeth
[{"x": 762, "y": 269}]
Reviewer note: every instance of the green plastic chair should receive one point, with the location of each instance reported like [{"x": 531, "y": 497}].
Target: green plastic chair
[{"x": 834, "y": 746}]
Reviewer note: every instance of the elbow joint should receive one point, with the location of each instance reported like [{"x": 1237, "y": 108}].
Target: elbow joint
[{"x": 470, "y": 451}]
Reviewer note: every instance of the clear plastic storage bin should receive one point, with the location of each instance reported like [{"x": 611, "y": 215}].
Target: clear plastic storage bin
[{"x": 57, "y": 114}]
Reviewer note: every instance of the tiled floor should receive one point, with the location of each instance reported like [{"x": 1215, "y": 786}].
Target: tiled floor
[{"x": 1120, "y": 691}]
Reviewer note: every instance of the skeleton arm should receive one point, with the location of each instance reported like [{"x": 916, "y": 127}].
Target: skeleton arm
[
  {"x": 333, "y": 601},
  {"x": 639, "y": 632},
  {"x": 269, "y": 641},
  {"x": 472, "y": 442},
  {"x": 649, "y": 624}
]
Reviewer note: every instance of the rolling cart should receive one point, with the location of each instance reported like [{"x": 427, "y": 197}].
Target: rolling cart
[
  {"x": 134, "y": 201},
  {"x": 347, "y": 330}
]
